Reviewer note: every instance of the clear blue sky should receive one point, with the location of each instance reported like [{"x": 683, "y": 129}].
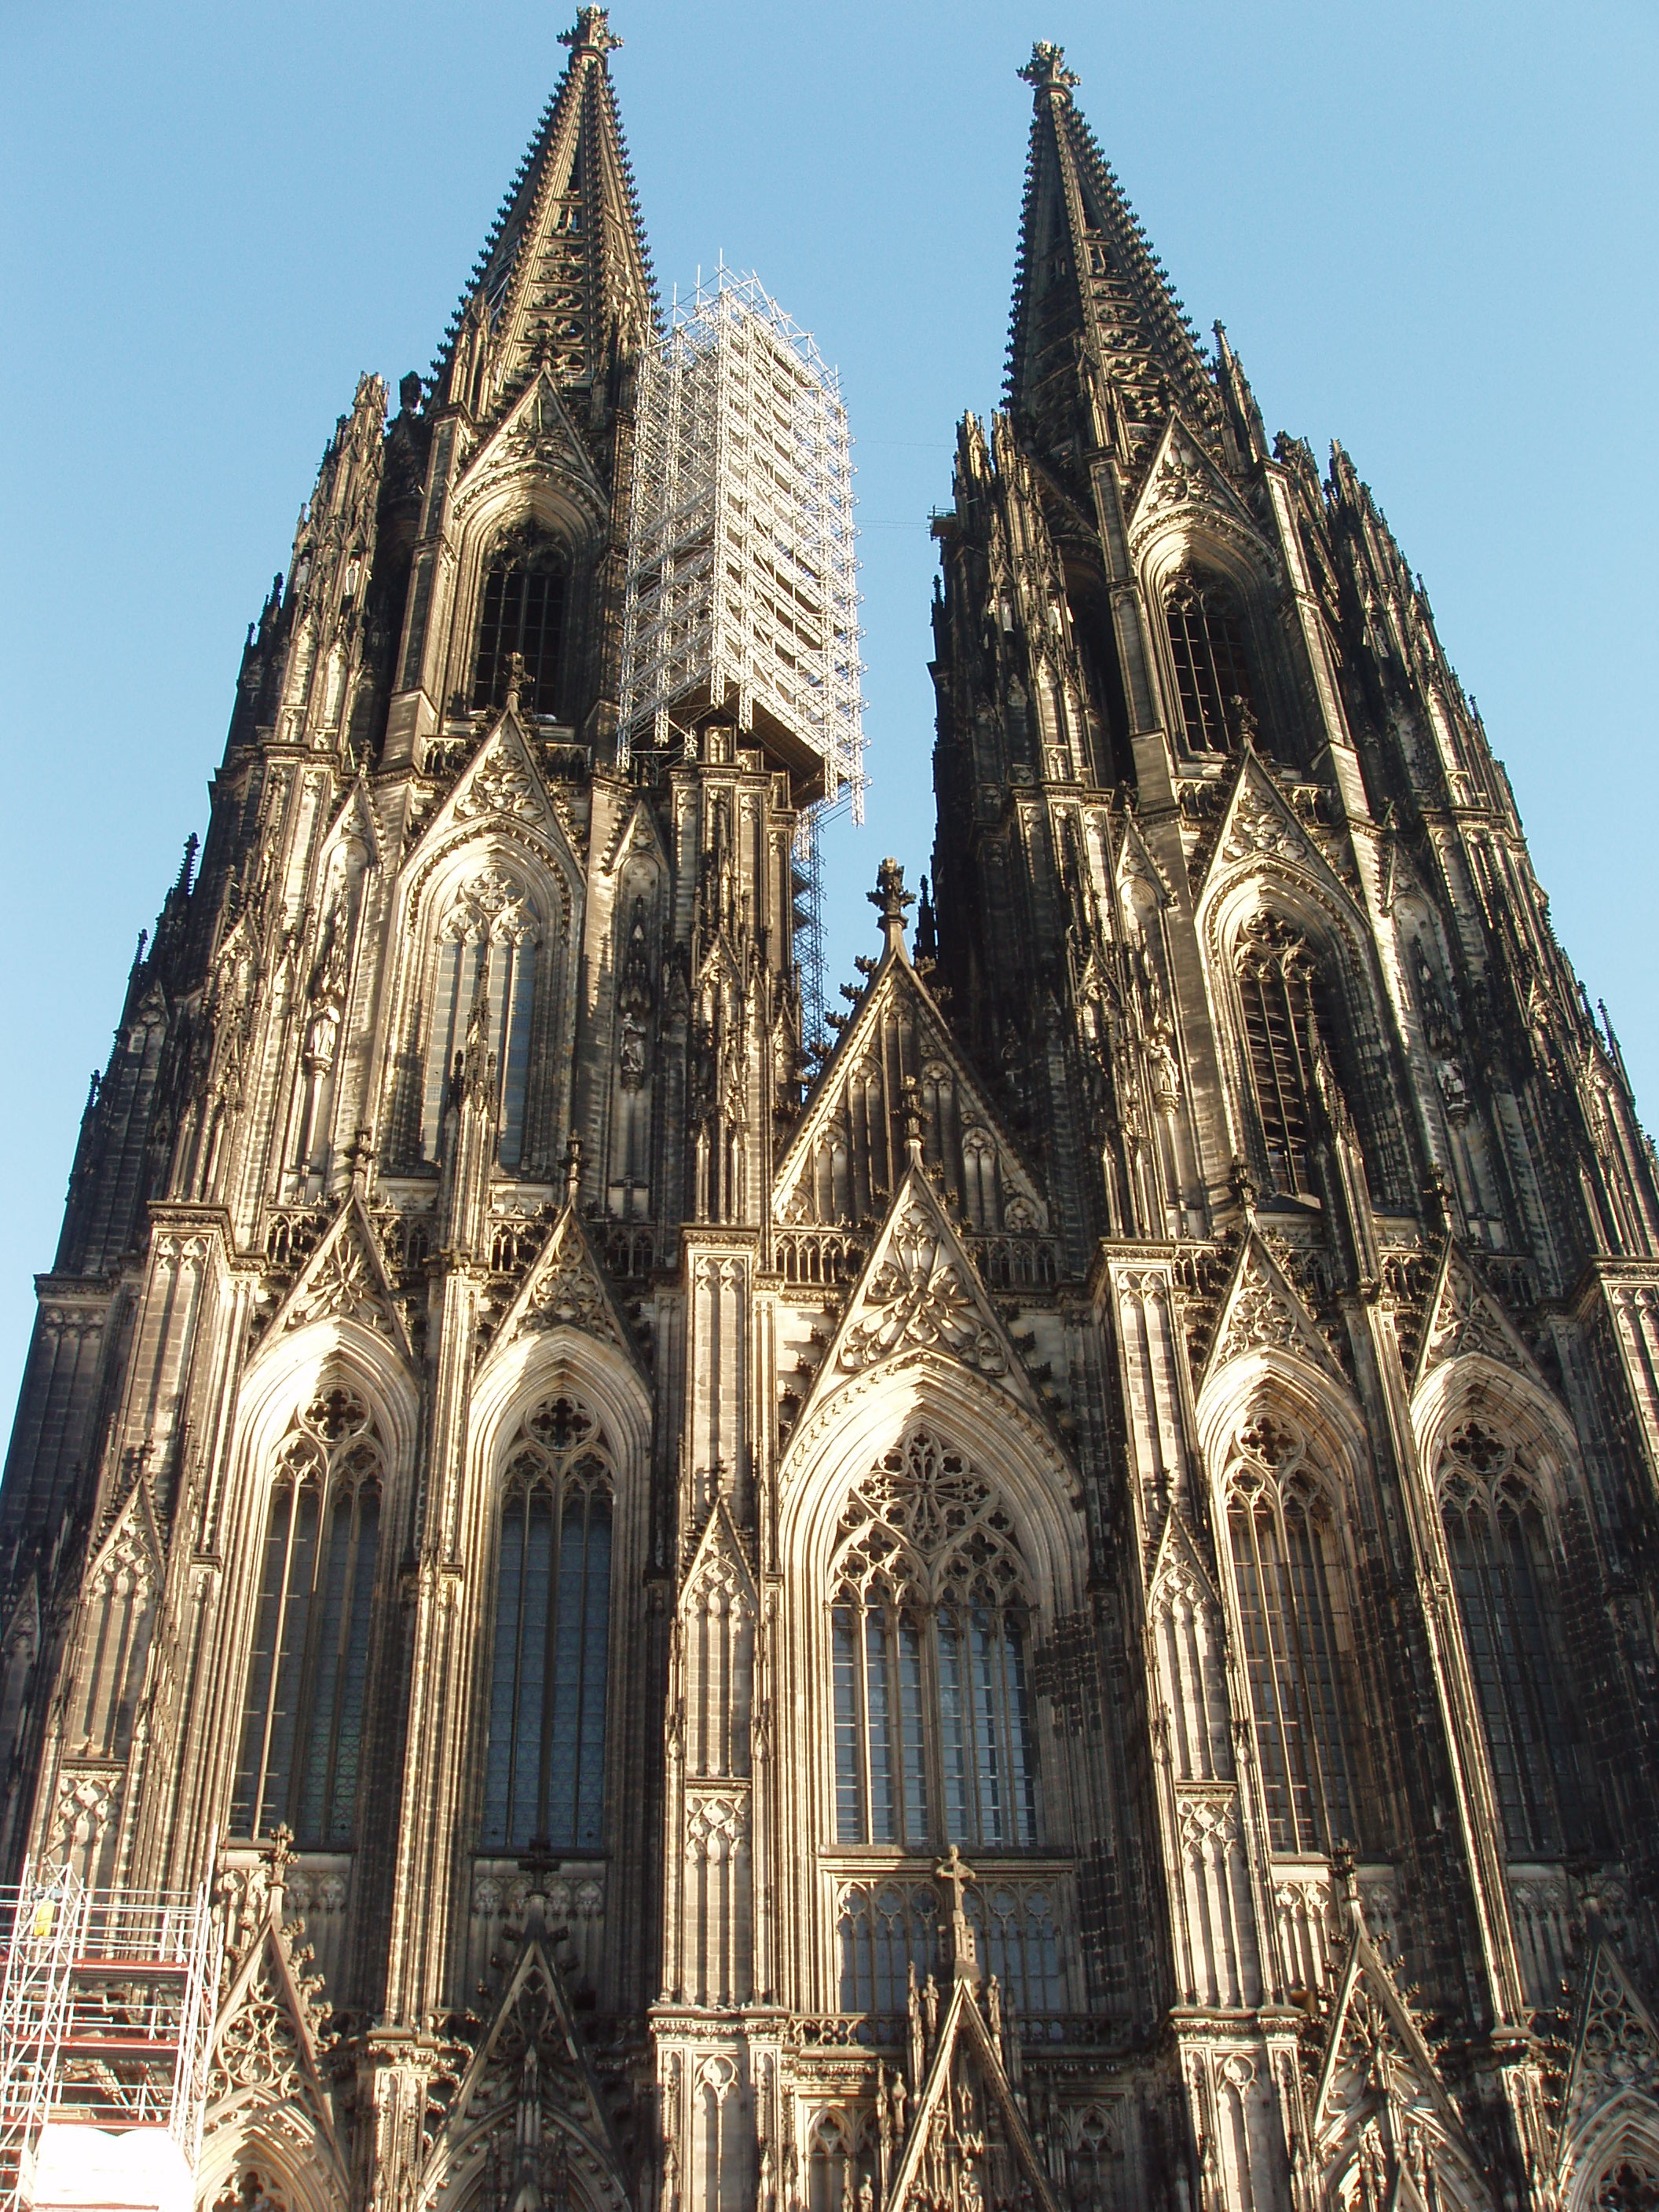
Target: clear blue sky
[{"x": 1430, "y": 230}]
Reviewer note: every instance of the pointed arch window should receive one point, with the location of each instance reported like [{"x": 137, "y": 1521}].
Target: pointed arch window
[
  {"x": 1297, "y": 1635},
  {"x": 1498, "y": 1548},
  {"x": 487, "y": 942},
  {"x": 303, "y": 1726},
  {"x": 935, "y": 1738},
  {"x": 1284, "y": 1002},
  {"x": 1205, "y": 622},
  {"x": 544, "y": 1772},
  {"x": 521, "y": 610}
]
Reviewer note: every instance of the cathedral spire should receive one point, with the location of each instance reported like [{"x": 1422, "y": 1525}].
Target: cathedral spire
[
  {"x": 1100, "y": 351},
  {"x": 564, "y": 275}
]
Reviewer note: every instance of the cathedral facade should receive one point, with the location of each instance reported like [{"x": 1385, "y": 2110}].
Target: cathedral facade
[{"x": 1051, "y": 1603}]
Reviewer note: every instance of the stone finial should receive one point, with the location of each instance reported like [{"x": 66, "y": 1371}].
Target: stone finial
[
  {"x": 573, "y": 1173},
  {"x": 889, "y": 898},
  {"x": 517, "y": 676},
  {"x": 956, "y": 1873},
  {"x": 592, "y": 33},
  {"x": 1046, "y": 71},
  {"x": 913, "y": 1118}
]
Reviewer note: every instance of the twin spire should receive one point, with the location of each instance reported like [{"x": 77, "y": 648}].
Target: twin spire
[
  {"x": 564, "y": 279},
  {"x": 1100, "y": 352}
]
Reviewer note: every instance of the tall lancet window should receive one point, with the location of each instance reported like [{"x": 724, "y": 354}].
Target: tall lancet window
[
  {"x": 935, "y": 1735},
  {"x": 1206, "y": 625},
  {"x": 1281, "y": 991},
  {"x": 1498, "y": 1547},
  {"x": 487, "y": 948},
  {"x": 1297, "y": 1633},
  {"x": 302, "y": 1725},
  {"x": 545, "y": 1772},
  {"x": 522, "y": 611}
]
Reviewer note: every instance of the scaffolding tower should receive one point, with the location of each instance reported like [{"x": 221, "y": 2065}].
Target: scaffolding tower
[
  {"x": 742, "y": 583},
  {"x": 105, "y": 2012}
]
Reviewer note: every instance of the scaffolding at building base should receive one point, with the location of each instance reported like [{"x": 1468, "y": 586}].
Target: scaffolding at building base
[
  {"x": 742, "y": 582},
  {"x": 105, "y": 2013}
]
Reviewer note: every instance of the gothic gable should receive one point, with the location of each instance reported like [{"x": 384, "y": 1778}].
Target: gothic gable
[
  {"x": 1615, "y": 2059},
  {"x": 264, "y": 2052},
  {"x": 345, "y": 1279},
  {"x": 968, "y": 2144},
  {"x": 636, "y": 836},
  {"x": 565, "y": 1287},
  {"x": 535, "y": 439},
  {"x": 1377, "y": 2100},
  {"x": 1259, "y": 824},
  {"x": 355, "y": 816},
  {"x": 1261, "y": 1310},
  {"x": 1183, "y": 481},
  {"x": 898, "y": 1027},
  {"x": 1464, "y": 1317},
  {"x": 919, "y": 1294},
  {"x": 500, "y": 789},
  {"x": 528, "y": 2102}
]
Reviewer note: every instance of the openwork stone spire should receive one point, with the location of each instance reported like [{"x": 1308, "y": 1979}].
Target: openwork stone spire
[
  {"x": 1100, "y": 352},
  {"x": 564, "y": 275}
]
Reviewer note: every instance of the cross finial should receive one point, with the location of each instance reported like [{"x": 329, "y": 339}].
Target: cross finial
[
  {"x": 889, "y": 898},
  {"x": 592, "y": 33},
  {"x": 956, "y": 1875},
  {"x": 1046, "y": 71}
]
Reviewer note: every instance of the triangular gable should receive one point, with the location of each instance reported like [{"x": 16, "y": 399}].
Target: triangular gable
[
  {"x": 564, "y": 1287},
  {"x": 1615, "y": 2048},
  {"x": 1465, "y": 1317},
  {"x": 132, "y": 1531},
  {"x": 965, "y": 2034},
  {"x": 894, "y": 983},
  {"x": 1179, "y": 1558},
  {"x": 1261, "y": 1308},
  {"x": 24, "y": 1625},
  {"x": 635, "y": 832},
  {"x": 536, "y": 435},
  {"x": 267, "y": 2003},
  {"x": 345, "y": 1279},
  {"x": 1375, "y": 2054},
  {"x": 1259, "y": 822},
  {"x": 500, "y": 787},
  {"x": 920, "y": 1293},
  {"x": 1182, "y": 475},
  {"x": 357, "y": 811},
  {"x": 1135, "y": 857},
  {"x": 719, "y": 1551},
  {"x": 578, "y": 2105}
]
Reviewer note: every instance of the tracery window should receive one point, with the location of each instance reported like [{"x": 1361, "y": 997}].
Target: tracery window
[
  {"x": 1498, "y": 1548},
  {"x": 486, "y": 947},
  {"x": 1281, "y": 991},
  {"x": 1297, "y": 1634},
  {"x": 934, "y": 1733},
  {"x": 303, "y": 1716},
  {"x": 522, "y": 612},
  {"x": 1205, "y": 628},
  {"x": 886, "y": 1928},
  {"x": 544, "y": 1772}
]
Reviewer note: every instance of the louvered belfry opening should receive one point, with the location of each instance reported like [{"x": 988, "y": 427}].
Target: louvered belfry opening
[
  {"x": 523, "y": 612},
  {"x": 1281, "y": 990},
  {"x": 1206, "y": 625}
]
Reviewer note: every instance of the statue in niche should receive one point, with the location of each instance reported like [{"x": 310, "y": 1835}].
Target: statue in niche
[{"x": 634, "y": 1001}]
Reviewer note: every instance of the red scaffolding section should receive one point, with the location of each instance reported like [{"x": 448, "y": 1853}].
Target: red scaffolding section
[{"x": 105, "y": 2014}]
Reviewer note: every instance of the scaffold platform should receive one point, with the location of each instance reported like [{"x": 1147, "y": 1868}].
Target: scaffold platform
[{"x": 106, "y": 2013}]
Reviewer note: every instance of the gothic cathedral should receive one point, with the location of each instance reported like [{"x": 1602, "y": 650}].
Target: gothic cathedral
[{"x": 1042, "y": 1594}]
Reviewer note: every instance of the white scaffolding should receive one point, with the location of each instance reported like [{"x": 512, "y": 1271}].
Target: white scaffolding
[
  {"x": 105, "y": 2012},
  {"x": 742, "y": 588}
]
